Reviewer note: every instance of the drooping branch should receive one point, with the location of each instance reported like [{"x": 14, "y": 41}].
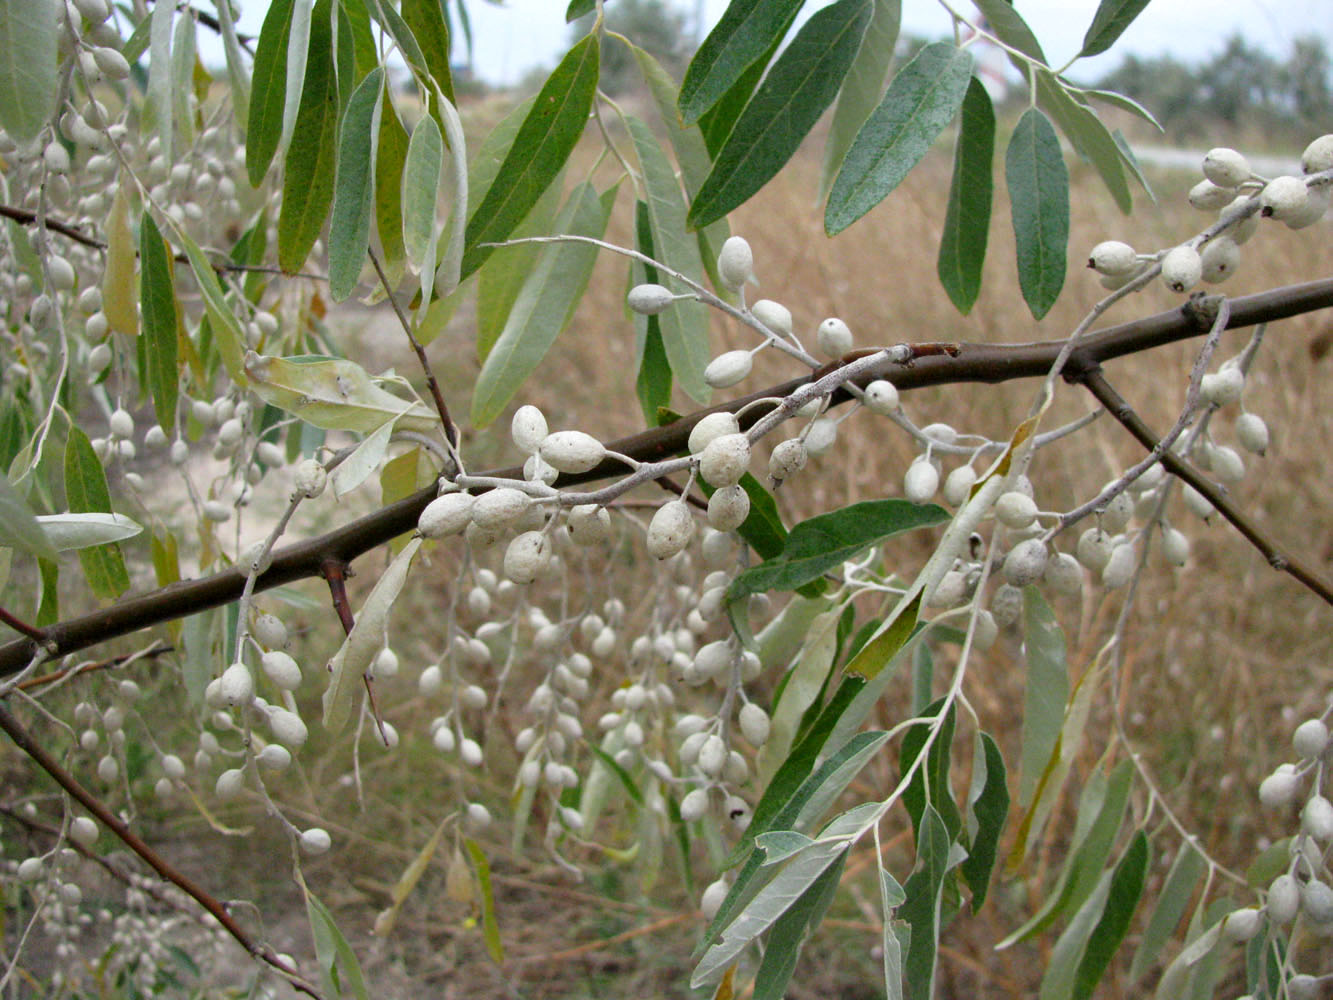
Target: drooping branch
[{"x": 988, "y": 363}]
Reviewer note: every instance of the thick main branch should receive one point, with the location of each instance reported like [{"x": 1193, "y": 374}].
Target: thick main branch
[{"x": 991, "y": 363}]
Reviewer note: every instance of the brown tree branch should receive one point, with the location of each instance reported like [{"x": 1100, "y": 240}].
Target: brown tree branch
[
  {"x": 989, "y": 363},
  {"x": 24, "y": 741},
  {"x": 1094, "y": 380}
]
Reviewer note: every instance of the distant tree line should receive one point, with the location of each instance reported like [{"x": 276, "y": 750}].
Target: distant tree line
[{"x": 1241, "y": 85}]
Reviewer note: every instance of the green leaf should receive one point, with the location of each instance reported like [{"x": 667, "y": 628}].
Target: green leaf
[
  {"x": 987, "y": 810},
  {"x": 268, "y": 91},
  {"x": 423, "y": 173},
  {"x": 803, "y": 684},
  {"x": 157, "y": 99},
  {"x": 578, "y": 9},
  {"x": 890, "y": 639},
  {"x": 183, "y": 63},
  {"x": 791, "y": 930},
  {"x": 230, "y": 337},
  {"x": 922, "y": 99},
  {"x": 747, "y": 31},
  {"x": 79, "y": 531},
  {"x": 800, "y": 85},
  {"x": 1009, "y": 27},
  {"x": 929, "y": 785},
  {"x": 390, "y": 160},
  {"x": 921, "y": 909},
  {"x": 1089, "y": 137},
  {"x": 19, "y": 528},
  {"x": 157, "y": 303},
  {"x": 308, "y": 171},
  {"x": 29, "y": 82},
  {"x": 429, "y": 26},
  {"x": 237, "y": 76},
  {"x": 779, "y": 845},
  {"x": 490, "y": 926},
  {"x": 333, "y": 394},
  {"x": 716, "y": 123},
  {"x": 1047, "y": 691},
  {"x": 86, "y": 493},
  {"x": 544, "y": 306},
  {"x": 1124, "y": 103},
  {"x": 967, "y": 217},
  {"x": 825, "y": 541},
  {"x": 1110, "y": 21},
  {"x": 364, "y": 459},
  {"x": 862, "y": 89},
  {"x": 1127, "y": 882},
  {"x": 1039, "y": 196},
  {"x": 299, "y": 42},
  {"x": 539, "y": 151},
  {"x": 354, "y": 186},
  {"x": 653, "y": 384},
  {"x": 1172, "y": 901},
  {"x": 685, "y": 324},
  {"x": 337, "y": 962}
]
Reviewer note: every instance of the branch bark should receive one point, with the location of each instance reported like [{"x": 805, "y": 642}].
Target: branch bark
[{"x": 988, "y": 363}]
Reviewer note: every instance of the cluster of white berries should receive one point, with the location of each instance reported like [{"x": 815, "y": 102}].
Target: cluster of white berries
[{"x": 1241, "y": 198}]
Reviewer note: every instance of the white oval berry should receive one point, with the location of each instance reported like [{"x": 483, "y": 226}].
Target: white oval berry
[
  {"x": 589, "y": 524},
  {"x": 1310, "y": 738},
  {"x": 1226, "y": 167},
  {"x": 287, "y": 728},
  {"x": 98, "y": 358},
  {"x": 921, "y": 481},
  {"x": 1063, "y": 574},
  {"x": 1175, "y": 546},
  {"x": 173, "y": 767},
  {"x": 1241, "y": 925},
  {"x": 1252, "y": 433},
  {"x": 788, "y": 458},
  {"x": 500, "y": 507},
  {"x": 1283, "y": 197},
  {"x": 111, "y": 62},
  {"x": 710, "y": 426},
  {"x": 1015, "y": 510},
  {"x": 1006, "y": 605},
  {"x": 958, "y": 485},
  {"x": 526, "y": 556},
  {"x": 1284, "y": 900},
  {"x": 1317, "y": 818},
  {"x": 670, "y": 530},
  {"x": 1316, "y": 205},
  {"x": 821, "y": 436},
  {"x": 275, "y": 757},
  {"x": 773, "y": 315},
  {"x": 725, "y": 460},
  {"x": 470, "y": 752},
  {"x": 1227, "y": 465},
  {"x": 1317, "y": 901},
  {"x": 1120, "y": 567},
  {"x": 694, "y": 805},
  {"x": 713, "y": 898},
  {"x": 712, "y": 756},
  {"x": 83, "y": 831},
  {"x": 237, "y": 686},
  {"x": 727, "y": 369},
  {"x": 1182, "y": 268},
  {"x": 315, "y": 841},
  {"x": 1222, "y": 386},
  {"x": 310, "y": 479},
  {"x": 229, "y": 783},
  {"x": 649, "y": 300},
  {"x": 1318, "y": 156},
  {"x": 528, "y": 429},
  {"x": 1025, "y": 563},
  {"x": 572, "y": 451},
  {"x": 122, "y": 424},
  {"x": 1242, "y": 213},
  {"x": 949, "y": 592},
  {"x": 1279, "y": 789},
  {"x": 446, "y": 515},
  {"x": 1113, "y": 257},
  {"x": 714, "y": 658},
  {"x": 1208, "y": 197},
  {"x": 1220, "y": 258},
  {"x": 755, "y": 724},
  {"x": 834, "y": 337},
  {"x": 385, "y": 664},
  {"x": 728, "y": 508},
  {"x": 281, "y": 669},
  {"x": 881, "y": 396},
  {"x": 1196, "y": 503},
  {"x": 735, "y": 263}
]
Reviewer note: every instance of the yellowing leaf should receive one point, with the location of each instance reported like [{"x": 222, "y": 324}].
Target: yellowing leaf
[
  {"x": 119, "y": 301},
  {"x": 333, "y": 394}
]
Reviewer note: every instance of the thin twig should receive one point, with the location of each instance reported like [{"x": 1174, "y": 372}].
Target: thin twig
[
  {"x": 24, "y": 741},
  {"x": 1095, "y": 382},
  {"x": 19, "y": 625}
]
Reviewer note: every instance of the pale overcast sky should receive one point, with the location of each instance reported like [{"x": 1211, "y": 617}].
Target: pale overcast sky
[{"x": 518, "y": 35}]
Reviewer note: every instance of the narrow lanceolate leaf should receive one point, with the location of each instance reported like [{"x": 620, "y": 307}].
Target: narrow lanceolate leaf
[
  {"x": 1087, "y": 134},
  {"x": 333, "y": 394},
  {"x": 339, "y": 969},
  {"x": 1039, "y": 197},
  {"x": 390, "y": 159},
  {"x": 449, "y": 274},
  {"x": 922, "y": 99},
  {"x": 1047, "y": 691},
  {"x": 182, "y": 79},
  {"x": 653, "y": 384},
  {"x": 308, "y": 171},
  {"x": 157, "y": 301},
  {"x": 29, "y": 85},
  {"x": 987, "y": 809},
  {"x": 501, "y": 278},
  {"x": 490, "y": 926},
  {"x": 921, "y": 909},
  {"x": 791, "y": 930},
  {"x": 1172, "y": 901},
  {"x": 929, "y": 784},
  {"x": 747, "y": 30},
  {"x": 799, "y": 86},
  {"x": 685, "y": 324},
  {"x": 268, "y": 91},
  {"x": 544, "y": 306},
  {"x": 354, "y": 186},
  {"x": 578, "y": 8},
  {"x": 237, "y": 74},
  {"x": 309, "y": 32},
  {"x": 1109, "y": 23},
  {"x": 79, "y": 531},
  {"x": 827, "y": 540},
  {"x": 1010, "y": 28},
  {"x": 862, "y": 89},
  {"x": 19, "y": 528},
  {"x": 159, "y": 74},
  {"x": 539, "y": 151},
  {"x": 120, "y": 300},
  {"x": 1127, "y": 882},
  {"x": 430, "y": 27},
  {"x": 423, "y": 172},
  {"x": 967, "y": 218},
  {"x": 365, "y": 640},
  {"x": 86, "y": 493},
  {"x": 227, "y": 332}
]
